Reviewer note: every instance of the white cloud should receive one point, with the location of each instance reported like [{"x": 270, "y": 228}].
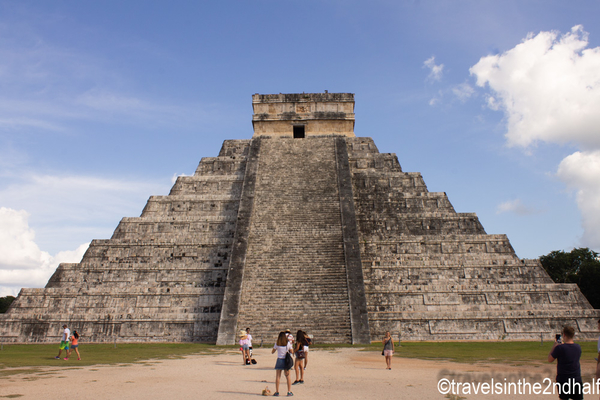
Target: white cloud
[
  {"x": 435, "y": 71},
  {"x": 548, "y": 87},
  {"x": 463, "y": 91},
  {"x": 67, "y": 210},
  {"x": 515, "y": 206},
  {"x": 22, "y": 263},
  {"x": 581, "y": 172}
]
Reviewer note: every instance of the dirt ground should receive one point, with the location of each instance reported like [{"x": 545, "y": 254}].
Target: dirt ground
[{"x": 333, "y": 374}]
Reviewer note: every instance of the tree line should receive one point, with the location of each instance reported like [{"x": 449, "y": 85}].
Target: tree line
[{"x": 580, "y": 266}]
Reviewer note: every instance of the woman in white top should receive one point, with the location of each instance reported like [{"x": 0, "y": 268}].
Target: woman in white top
[
  {"x": 244, "y": 347},
  {"x": 282, "y": 347}
]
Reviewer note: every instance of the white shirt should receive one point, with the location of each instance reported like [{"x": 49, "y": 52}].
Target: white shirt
[
  {"x": 281, "y": 350},
  {"x": 66, "y": 334},
  {"x": 249, "y": 340}
]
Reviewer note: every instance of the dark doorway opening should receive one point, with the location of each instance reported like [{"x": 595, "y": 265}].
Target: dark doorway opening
[{"x": 298, "y": 131}]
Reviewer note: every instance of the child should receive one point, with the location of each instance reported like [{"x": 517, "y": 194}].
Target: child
[{"x": 74, "y": 345}]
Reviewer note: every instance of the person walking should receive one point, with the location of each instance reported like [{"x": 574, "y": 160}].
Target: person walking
[
  {"x": 74, "y": 345},
  {"x": 282, "y": 347},
  {"x": 64, "y": 343},
  {"x": 388, "y": 349},
  {"x": 300, "y": 357},
  {"x": 568, "y": 370}
]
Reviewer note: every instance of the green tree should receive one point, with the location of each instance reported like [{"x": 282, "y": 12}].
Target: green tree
[
  {"x": 5, "y": 302},
  {"x": 580, "y": 266}
]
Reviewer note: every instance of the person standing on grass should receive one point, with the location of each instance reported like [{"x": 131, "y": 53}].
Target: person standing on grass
[
  {"x": 64, "y": 343},
  {"x": 74, "y": 345},
  {"x": 388, "y": 349},
  {"x": 282, "y": 347},
  {"x": 300, "y": 357},
  {"x": 568, "y": 370}
]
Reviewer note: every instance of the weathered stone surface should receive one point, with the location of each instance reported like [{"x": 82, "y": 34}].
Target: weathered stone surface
[{"x": 321, "y": 233}]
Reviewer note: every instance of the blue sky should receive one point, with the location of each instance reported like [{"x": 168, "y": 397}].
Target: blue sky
[{"x": 103, "y": 103}]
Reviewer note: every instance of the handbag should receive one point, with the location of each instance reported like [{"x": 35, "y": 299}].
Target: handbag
[{"x": 289, "y": 361}]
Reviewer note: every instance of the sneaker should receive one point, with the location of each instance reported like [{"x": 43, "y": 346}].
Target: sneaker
[
  {"x": 301, "y": 382},
  {"x": 296, "y": 382},
  {"x": 66, "y": 358},
  {"x": 79, "y": 359},
  {"x": 290, "y": 394},
  {"x": 57, "y": 357},
  {"x": 276, "y": 394}
]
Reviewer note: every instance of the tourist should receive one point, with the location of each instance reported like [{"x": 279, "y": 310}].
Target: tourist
[
  {"x": 300, "y": 357},
  {"x": 308, "y": 343},
  {"x": 249, "y": 343},
  {"x": 75, "y": 345},
  {"x": 388, "y": 349},
  {"x": 568, "y": 370},
  {"x": 244, "y": 347},
  {"x": 289, "y": 336},
  {"x": 282, "y": 347},
  {"x": 64, "y": 343}
]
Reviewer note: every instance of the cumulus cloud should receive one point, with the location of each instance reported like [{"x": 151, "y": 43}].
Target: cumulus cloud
[
  {"x": 581, "y": 172},
  {"x": 22, "y": 263},
  {"x": 548, "y": 87},
  {"x": 515, "y": 206},
  {"x": 435, "y": 71},
  {"x": 66, "y": 208}
]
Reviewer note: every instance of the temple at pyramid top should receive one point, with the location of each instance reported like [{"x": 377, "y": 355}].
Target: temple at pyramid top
[{"x": 301, "y": 115}]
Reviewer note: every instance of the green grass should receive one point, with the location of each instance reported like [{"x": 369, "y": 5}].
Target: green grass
[
  {"x": 31, "y": 357},
  {"x": 471, "y": 352}
]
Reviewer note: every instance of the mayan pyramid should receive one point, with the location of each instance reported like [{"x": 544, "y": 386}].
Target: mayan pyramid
[{"x": 303, "y": 226}]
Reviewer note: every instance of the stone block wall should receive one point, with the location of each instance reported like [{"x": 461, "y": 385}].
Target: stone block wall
[
  {"x": 161, "y": 277},
  {"x": 434, "y": 274},
  {"x": 322, "y": 233}
]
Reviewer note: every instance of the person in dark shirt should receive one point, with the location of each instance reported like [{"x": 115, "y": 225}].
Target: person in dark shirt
[{"x": 568, "y": 370}]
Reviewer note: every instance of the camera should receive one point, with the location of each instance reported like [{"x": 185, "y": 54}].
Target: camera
[{"x": 558, "y": 338}]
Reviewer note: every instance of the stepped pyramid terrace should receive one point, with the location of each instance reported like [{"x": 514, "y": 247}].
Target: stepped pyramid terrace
[{"x": 302, "y": 226}]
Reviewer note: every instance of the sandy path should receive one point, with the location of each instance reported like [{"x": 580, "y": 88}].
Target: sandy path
[{"x": 337, "y": 374}]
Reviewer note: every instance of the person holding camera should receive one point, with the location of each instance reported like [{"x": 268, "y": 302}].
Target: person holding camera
[{"x": 568, "y": 371}]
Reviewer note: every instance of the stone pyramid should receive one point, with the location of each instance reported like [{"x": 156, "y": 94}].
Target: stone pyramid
[{"x": 304, "y": 226}]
